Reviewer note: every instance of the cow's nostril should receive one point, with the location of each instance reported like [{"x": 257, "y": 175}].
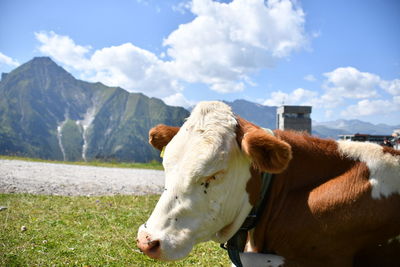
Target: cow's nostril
[
  {"x": 149, "y": 246},
  {"x": 154, "y": 245}
]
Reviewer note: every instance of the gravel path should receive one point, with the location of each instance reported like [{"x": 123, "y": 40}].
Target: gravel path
[{"x": 71, "y": 180}]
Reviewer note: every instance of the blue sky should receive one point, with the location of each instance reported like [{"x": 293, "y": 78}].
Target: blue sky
[{"x": 342, "y": 57}]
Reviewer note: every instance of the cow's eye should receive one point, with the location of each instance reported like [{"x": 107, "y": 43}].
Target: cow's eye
[
  {"x": 207, "y": 181},
  {"x": 218, "y": 175},
  {"x": 215, "y": 177}
]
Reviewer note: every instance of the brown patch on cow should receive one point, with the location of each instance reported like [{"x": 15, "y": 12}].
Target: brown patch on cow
[
  {"x": 268, "y": 153},
  {"x": 161, "y": 135},
  {"x": 341, "y": 192},
  {"x": 253, "y": 186},
  {"x": 322, "y": 205},
  {"x": 383, "y": 254},
  {"x": 391, "y": 150},
  {"x": 307, "y": 168},
  {"x": 243, "y": 127}
]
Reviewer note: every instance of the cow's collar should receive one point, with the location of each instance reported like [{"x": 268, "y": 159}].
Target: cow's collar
[{"x": 236, "y": 244}]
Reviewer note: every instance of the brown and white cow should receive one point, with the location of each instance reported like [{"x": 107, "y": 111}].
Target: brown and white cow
[{"x": 330, "y": 203}]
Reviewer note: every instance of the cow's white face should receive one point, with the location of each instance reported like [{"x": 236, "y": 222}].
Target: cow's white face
[
  {"x": 205, "y": 194},
  {"x": 205, "y": 186}
]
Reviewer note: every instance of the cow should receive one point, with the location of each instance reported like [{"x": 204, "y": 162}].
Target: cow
[{"x": 330, "y": 203}]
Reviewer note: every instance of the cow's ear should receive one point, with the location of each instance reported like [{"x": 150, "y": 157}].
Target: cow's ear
[
  {"x": 160, "y": 135},
  {"x": 268, "y": 153}
]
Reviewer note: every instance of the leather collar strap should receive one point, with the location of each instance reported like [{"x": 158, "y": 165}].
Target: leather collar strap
[{"x": 236, "y": 244}]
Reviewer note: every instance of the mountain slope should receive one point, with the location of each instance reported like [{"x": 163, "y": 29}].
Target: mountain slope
[
  {"x": 45, "y": 112},
  {"x": 357, "y": 126},
  {"x": 264, "y": 116}
]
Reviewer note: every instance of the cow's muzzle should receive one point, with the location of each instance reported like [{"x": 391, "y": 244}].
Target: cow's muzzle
[{"x": 148, "y": 246}]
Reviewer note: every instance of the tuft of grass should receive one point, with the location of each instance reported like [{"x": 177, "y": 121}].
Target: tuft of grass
[
  {"x": 153, "y": 165},
  {"x": 39, "y": 230}
]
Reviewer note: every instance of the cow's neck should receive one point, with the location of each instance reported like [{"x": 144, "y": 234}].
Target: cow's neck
[{"x": 314, "y": 162}]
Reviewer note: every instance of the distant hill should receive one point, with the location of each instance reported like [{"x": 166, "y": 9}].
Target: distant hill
[
  {"x": 327, "y": 132},
  {"x": 46, "y": 113},
  {"x": 264, "y": 116},
  {"x": 333, "y": 128}
]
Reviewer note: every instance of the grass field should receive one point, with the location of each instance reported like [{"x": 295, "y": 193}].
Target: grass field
[
  {"x": 83, "y": 231},
  {"x": 113, "y": 164}
]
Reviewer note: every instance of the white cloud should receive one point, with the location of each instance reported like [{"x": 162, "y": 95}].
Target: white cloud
[
  {"x": 178, "y": 99},
  {"x": 330, "y": 100},
  {"x": 329, "y": 113},
  {"x": 310, "y": 78},
  {"x": 127, "y": 66},
  {"x": 134, "y": 69},
  {"x": 299, "y": 96},
  {"x": 344, "y": 86},
  {"x": 6, "y": 60},
  {"x": 63, "y": 48},
  {"x": 316, "y": 34},
  {"x": 182, "y": 7},
  {"x": 217, "y": 64},
  {"x": 228, "y": 41},
  {"x": 351, "y": 83},
  {"x": 392, "y": 87},
  {"x": 277, "y": 98},
  {"x": 396, "y": 101},
  {"x": 227, "y": 86},
  {"x": 221, "y": 47},
  {"x": 368, "y": 107}
]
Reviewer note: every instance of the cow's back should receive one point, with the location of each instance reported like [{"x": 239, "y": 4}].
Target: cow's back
[{"x": 323, "y": 209}]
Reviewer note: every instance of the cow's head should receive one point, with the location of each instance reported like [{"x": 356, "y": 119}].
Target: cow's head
[{"x": 207, "y": 164}]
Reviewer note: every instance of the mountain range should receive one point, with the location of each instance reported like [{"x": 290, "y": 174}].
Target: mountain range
[
  {"x": 329, "y": 129},
  {"x": 46, "y": 113},
  {"x": 265, "y": 116}
]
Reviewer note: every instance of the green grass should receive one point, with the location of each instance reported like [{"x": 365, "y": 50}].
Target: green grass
[
  {"x": 154, "y": 165},
  {"x": 83, "y": 231}
]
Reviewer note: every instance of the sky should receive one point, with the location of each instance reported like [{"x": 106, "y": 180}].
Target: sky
[{"x": 342, "y": 57}]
